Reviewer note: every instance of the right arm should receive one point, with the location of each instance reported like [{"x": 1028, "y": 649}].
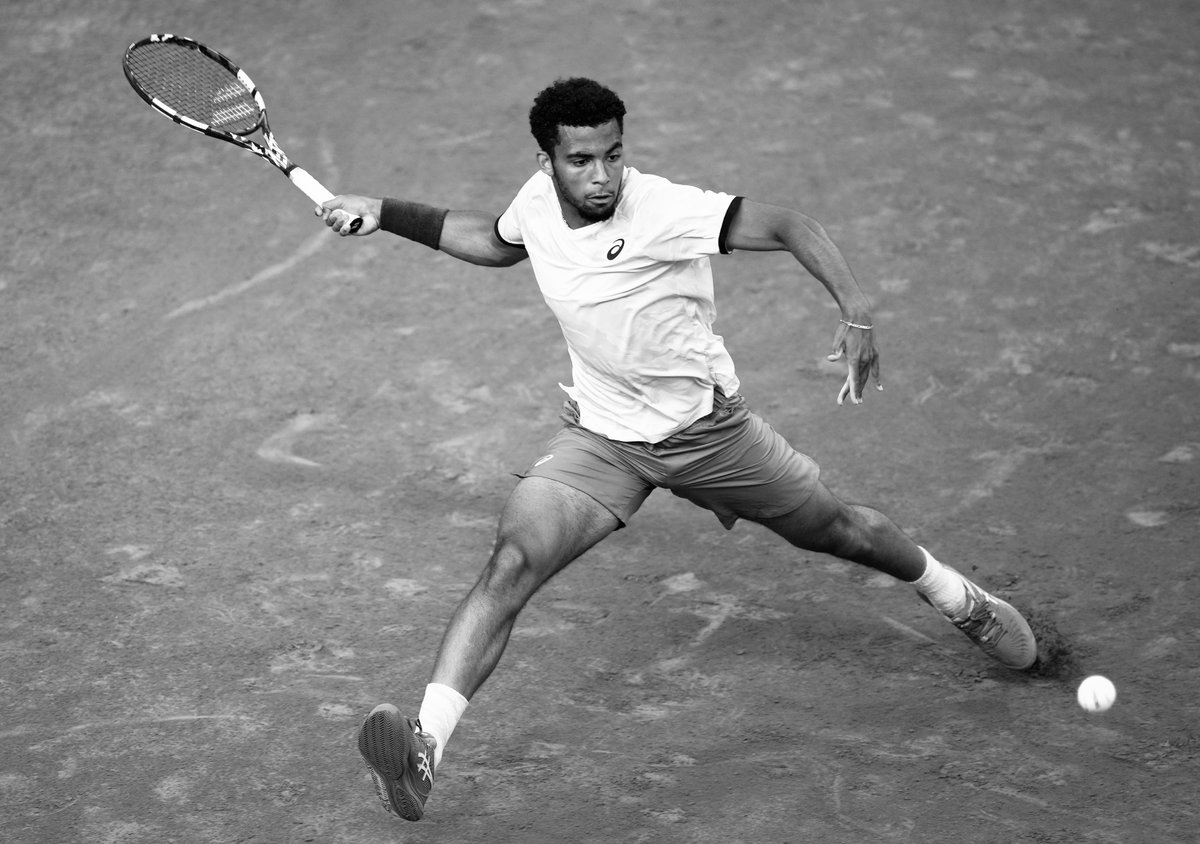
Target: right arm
[
  {"x": 471, "y": 236},
  {"x": 467, "y": 235}
]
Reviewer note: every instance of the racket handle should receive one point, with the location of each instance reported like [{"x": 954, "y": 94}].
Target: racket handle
[{"x": 316, "y": 191}]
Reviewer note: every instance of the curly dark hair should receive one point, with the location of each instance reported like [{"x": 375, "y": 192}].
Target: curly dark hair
[{"x": 572, "y": 102}]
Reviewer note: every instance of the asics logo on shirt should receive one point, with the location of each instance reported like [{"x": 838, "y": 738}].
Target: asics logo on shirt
[{"x": 615, "y": 249}]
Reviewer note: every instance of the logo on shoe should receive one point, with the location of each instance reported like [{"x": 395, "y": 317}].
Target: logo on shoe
[
  {"x": 615, "y": 249},
  {"x": 424, "y": 768}
]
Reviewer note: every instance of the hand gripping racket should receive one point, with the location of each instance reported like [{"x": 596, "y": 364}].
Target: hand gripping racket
[{"x": 201, "y": 89}]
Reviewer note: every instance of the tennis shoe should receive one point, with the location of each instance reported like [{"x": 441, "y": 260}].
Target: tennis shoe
[
  {"x": 995, "y": 626},
  {"x": 400, "y": 759}
]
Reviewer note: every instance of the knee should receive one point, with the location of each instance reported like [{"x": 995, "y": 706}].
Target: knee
[
  {"x": 856, "y": 532},
  {"x": 846, "y": 532},
  {"x": 511, "y": 572},
  {"x": 843, "y": 535}
]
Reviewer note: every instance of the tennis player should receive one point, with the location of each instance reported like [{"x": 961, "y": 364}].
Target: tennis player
[{"x": 623, "y": 260}]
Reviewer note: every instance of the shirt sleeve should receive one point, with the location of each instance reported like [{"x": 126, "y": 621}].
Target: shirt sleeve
[
  {"x": 682, "y": 223},
  {"x": 508, "y": 224}
]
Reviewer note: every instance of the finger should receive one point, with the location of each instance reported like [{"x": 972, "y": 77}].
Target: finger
[
  {"x": 839, "y": 343},
  {"x": 329, "y": 206},
  {"x": 843, "y": 393},
  {"x": 853, "y": 379},
  {"x": 864, "y": 378}
]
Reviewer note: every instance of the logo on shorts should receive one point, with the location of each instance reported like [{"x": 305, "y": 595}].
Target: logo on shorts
[
  {"x": 615, "y": 249},
  {"x": 542, "y": 460}
]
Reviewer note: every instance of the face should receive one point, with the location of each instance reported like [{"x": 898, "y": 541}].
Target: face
[{"x": 587, "y": 167}]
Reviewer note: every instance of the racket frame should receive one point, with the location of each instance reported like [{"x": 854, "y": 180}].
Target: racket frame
[{"x": 270, "y": 150}]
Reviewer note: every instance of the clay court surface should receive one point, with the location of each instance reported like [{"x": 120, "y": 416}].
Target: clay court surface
[{"x": 247, "y": 468}]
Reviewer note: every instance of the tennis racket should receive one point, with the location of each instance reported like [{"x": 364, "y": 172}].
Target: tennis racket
[{"x": 201, "y": 89}]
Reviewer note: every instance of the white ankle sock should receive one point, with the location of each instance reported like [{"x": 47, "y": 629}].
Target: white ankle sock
[
  {"x": 943, "y": 587},
  {"x": 440, "y": 713}
]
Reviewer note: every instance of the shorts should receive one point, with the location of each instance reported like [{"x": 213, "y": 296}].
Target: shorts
[{"x": 730, "y": 462}]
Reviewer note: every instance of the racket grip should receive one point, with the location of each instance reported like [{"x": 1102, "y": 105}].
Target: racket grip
[{"x": 316, "y": 191}]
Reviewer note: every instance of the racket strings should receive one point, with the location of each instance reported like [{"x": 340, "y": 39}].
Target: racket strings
[{"x": 195, "y": 86}]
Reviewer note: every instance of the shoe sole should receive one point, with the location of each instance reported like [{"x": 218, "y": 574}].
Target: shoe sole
[{"x": 386, "y": 744}]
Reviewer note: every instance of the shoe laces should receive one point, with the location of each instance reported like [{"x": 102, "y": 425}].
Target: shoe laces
[
  {"x": 429, "y": 739},
  {"x": 981, "y": 622}
]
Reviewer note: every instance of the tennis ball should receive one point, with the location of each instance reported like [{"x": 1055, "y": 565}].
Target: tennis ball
[{"x": 1096, "y": 693}]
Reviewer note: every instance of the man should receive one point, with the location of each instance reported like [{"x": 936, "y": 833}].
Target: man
[{"x": 622, "y": 258}]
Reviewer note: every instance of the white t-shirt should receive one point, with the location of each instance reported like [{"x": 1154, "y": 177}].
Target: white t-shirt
[{"x": 634, "y": 297}]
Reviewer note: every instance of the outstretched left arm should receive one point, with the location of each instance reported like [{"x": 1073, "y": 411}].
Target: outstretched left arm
[{"x": 757, "y": 227}]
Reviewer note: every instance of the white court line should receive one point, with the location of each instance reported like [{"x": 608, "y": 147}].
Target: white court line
[
  {"x": 904, "y": 628},
  {"x": 306, "y": 249},
  {"x": 277, "y": 448}
]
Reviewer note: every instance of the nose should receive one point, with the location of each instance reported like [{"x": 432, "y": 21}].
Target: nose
[{"x": 599, "y": 174}]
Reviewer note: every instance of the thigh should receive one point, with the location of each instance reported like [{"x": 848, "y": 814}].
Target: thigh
[
  {"x": 552, "y": 524},
  {"x": 594, "y": 466}
]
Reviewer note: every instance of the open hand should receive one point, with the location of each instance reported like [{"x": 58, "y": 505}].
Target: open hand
[{"x": 857, "y": 346}]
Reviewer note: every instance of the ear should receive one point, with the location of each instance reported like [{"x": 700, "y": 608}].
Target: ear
[{"x": 545, "y": 162}]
